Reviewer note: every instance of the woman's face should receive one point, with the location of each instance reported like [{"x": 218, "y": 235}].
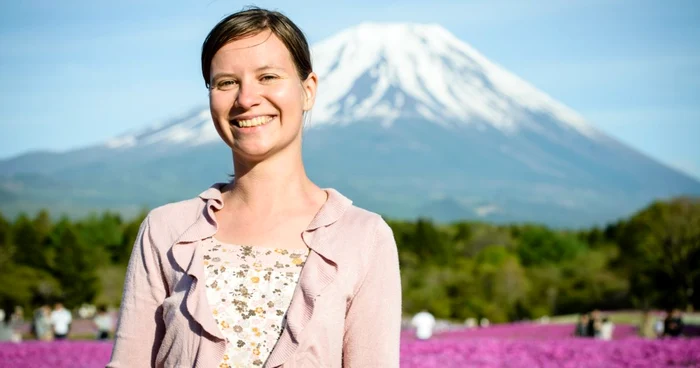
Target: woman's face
[{"x": 256, "y": 98}]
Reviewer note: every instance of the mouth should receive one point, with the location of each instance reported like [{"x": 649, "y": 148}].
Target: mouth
[{"x": 252, "y": 122}]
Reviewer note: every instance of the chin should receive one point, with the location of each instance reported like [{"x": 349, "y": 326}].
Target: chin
[{"x": 255, "y": 154}]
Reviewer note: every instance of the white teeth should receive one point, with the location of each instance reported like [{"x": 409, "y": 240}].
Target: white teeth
[{"x": 258, "y": 120}]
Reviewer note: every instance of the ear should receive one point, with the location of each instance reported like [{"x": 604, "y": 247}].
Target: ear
[{"x": 309, "y": 86}]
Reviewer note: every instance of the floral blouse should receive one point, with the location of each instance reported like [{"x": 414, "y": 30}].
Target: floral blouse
[{"x": 249, "y": 290}]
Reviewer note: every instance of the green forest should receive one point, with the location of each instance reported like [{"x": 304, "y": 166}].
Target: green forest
[{"x": 503, "y": 272}]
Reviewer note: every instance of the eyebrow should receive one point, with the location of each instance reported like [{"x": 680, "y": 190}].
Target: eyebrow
[
  {"x": 219, "y": 75},
  {"x": 268, "y": 67}
]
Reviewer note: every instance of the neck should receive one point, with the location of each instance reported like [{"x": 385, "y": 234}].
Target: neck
[{"x": 274, "y": 184}]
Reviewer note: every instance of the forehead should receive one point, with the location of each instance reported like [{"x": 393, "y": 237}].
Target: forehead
[{"x": 264, "y": 48}]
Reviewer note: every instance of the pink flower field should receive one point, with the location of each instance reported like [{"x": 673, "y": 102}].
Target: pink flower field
[
  {"x": 514, "y": 345},
  {"x": 565, "y": 353}
]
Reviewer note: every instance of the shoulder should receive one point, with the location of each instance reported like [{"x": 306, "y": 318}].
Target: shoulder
[
  {"x": 187, "y": 210},
  {"x": 368, "y": 231},
  {"x": 176, "y": 214},
  {"x": 345, "y": 219},
  {"x": 165, "y": 224},
  {"x": 368, "y": 220},
  {"x": 353, "y": 222},
  {"x": 362, "y": 216}
]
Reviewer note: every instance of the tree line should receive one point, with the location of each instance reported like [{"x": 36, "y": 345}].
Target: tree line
[{"x": 503, "y": 272}]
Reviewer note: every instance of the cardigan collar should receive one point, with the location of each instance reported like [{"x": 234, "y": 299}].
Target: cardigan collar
[
  {"x": 205, "y": 226},
  {"x": 318, "y": 272}
]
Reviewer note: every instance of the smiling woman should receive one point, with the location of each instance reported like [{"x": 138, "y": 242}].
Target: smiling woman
[
  {"x": 258, "y": 97},
  {"x": 268, "y": 269}
]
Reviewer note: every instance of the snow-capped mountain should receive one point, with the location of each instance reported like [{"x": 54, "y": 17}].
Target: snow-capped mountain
[
  {"x": 409, "y": 121},
  {"x": 411, "y": 71},
  {"x": 393, "y": 71}
]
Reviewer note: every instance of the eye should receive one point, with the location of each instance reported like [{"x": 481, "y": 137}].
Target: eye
[
  {"x": 268, "y": 77},
  {"x": 226, "y": 84}
]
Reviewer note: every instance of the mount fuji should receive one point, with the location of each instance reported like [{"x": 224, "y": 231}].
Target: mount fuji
[{"x": 409, "y": 121}]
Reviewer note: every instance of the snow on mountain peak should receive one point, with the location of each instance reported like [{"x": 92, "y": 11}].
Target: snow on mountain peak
[
  {"x": 387, "y": 71},
  {"x": 193, "y": 128},
  {"x": 392, "y": 70}
]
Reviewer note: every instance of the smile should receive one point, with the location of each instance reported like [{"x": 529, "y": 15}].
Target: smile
[{"x": 252, "y": 122}]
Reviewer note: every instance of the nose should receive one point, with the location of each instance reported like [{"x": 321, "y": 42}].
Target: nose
[{"x": 248, "y": 95}]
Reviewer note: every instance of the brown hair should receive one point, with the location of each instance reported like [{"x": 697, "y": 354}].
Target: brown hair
[{"x": 250, "y": 22}]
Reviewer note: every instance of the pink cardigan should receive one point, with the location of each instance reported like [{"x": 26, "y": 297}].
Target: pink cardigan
[{"x": 345, "y": 311}]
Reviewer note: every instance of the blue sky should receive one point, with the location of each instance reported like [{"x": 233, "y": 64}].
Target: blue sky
[{"x": 77, "y": 72}]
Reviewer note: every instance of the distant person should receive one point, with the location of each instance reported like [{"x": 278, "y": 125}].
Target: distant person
[
  {"x": 16, "y": 322},
  {"x": 606, "y": 329},
  {"x": 41, "y": 323},
  {"x": 673, "y": 326},
  {"x": 582, "y": 326},
  {"x": 484, "y": 322},
  {"x": 594, "y": 324},
  {"x": 104, "y": 323},
  {"x": 660, "y": 325},
  {"x": 244, "y": 242},
  {"x": 424, "y": 322},
  {"x": 17, "y": 316},
  {"x": 61, "y": 320},
  {"x": 6, "y": 331}
]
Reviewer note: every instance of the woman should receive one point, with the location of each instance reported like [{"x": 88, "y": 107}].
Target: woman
[
  {"x": 104, "y": 323},
  {"x": 269, "y": 269},
  {"x": 42, "y": 323}
]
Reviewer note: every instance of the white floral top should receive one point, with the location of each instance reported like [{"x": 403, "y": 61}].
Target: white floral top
[{"x": 249, "y": 290}]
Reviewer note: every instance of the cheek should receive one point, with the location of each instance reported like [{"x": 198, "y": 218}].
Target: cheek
[
  {"x": 220, "y": 103},
  {"x": 288, "y": 98}
]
